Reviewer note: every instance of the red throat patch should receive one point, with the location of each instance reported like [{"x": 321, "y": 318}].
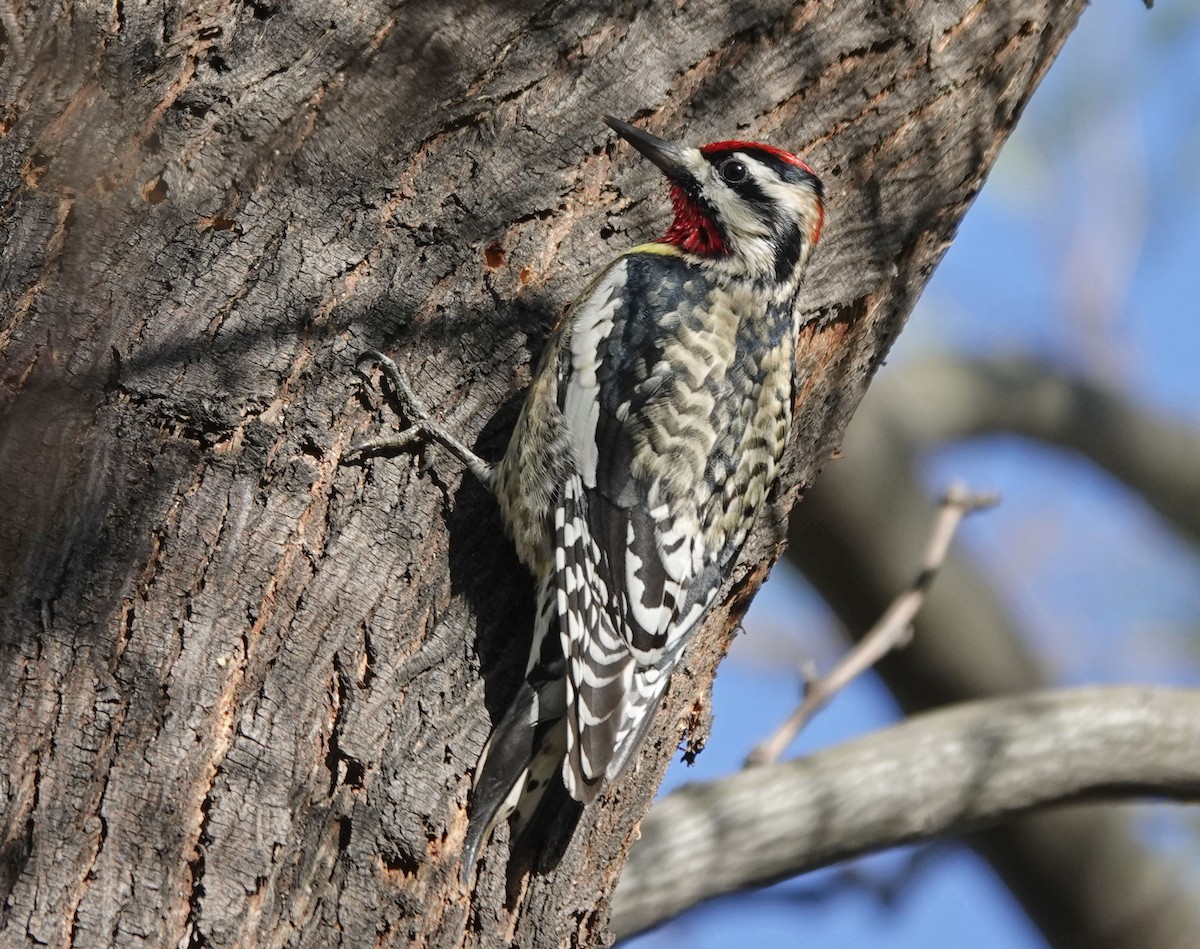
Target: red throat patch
[{"x": 693, "y": 229}]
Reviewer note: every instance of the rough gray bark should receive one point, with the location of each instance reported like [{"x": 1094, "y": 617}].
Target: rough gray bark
[
  {"x": 938, "y": 774},
  {"x": 247, "y": 683}
]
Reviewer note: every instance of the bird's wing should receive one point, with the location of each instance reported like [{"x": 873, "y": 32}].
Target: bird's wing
[{"x": 633, "y": 578}]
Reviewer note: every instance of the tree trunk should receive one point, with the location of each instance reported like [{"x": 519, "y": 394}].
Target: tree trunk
[{"x": 247, "y": 683}]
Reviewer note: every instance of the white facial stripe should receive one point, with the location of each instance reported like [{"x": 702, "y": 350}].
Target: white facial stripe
[{"x": 799, "y": 200}]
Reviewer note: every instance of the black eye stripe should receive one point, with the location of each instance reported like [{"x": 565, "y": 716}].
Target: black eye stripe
[{"x": 749, "y": 190}]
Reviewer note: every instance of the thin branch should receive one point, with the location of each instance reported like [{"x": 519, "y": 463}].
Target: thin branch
[
  {"x": 891, "y": 632},
  {"x": 942, "y": 773}
]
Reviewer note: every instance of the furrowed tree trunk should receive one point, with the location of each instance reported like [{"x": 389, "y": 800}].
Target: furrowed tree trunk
[{"x": 245, "y": 684}]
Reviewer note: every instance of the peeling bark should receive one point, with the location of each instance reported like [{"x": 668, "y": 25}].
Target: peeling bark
[{"x": 246, "y": 683}]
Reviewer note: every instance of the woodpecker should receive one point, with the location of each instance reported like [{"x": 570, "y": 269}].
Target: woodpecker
[{"x": 646, "y": 446}]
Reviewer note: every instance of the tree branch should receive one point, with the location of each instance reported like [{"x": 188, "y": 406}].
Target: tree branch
[
  {"x": 944, "y": 772},
  {"x": 940, "y": 398},
  {"x": 1081, "y": 874},
  {"x": 891, "y": 632}
]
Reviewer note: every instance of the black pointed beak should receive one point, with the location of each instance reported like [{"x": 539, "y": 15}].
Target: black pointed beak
[{"x": 668, "y": 156}]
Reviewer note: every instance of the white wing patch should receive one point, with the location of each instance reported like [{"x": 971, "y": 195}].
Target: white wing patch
[{"x": 592, "y": 322}]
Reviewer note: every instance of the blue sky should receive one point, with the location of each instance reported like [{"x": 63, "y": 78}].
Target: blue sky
[{"x": 1082, "y": 248}]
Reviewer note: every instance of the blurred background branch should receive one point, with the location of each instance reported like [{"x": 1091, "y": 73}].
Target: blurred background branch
[
  {"x": 943, "y": 772},
  {"x": 893, "y": 631},
  {"x": 850, "y": 538},
  {"x": 941, "y": 398}
]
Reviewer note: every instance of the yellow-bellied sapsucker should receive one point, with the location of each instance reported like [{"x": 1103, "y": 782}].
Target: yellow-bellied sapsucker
[{"x": 647, "y": 444}]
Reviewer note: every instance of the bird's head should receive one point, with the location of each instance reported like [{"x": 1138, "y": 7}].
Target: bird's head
[{"x": 758, "y": 205}]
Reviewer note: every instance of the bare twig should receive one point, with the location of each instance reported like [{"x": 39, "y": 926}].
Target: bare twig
[{"x": 891, "y": 632}]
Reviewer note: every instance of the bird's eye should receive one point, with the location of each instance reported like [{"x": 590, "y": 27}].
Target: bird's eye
[{"x": 733, "y": 171}]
